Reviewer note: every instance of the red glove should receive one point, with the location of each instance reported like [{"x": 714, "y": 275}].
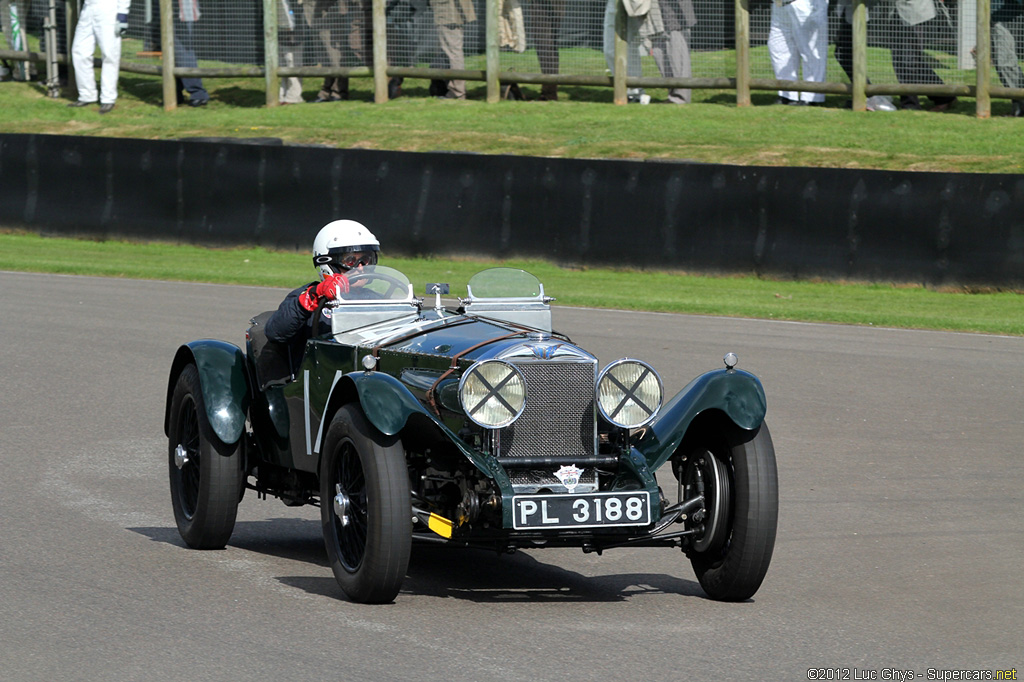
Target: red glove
[
  {"x": 310, "y": 298},
  {"x": 331, "y": 284}
]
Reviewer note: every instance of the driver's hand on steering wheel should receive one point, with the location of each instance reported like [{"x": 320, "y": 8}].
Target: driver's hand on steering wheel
[
  {"x": 331, "y": 285},
  {"x": 329, "y": 288}
]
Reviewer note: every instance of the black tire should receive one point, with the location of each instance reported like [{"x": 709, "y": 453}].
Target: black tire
[
  {"x": 735, "y": 560},
  {"x": 365, "y": 508},
  {"x": 206, "y": 487}
]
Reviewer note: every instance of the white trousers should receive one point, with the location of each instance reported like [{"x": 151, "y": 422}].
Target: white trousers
[
  {"x": 97, "y": 24},
  {"x": 291, "y": 86},
  {"x": 798, "y": 41},
  {"x": 633, "y": 66}
]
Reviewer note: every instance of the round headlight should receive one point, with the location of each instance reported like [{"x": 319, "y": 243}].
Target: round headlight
[
  {"x": 493, "y": 393},
  {"x": 629, "y": 393}
]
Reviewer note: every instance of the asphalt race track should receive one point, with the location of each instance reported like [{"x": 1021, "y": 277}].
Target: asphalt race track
[{"x": 900, "y": 546}]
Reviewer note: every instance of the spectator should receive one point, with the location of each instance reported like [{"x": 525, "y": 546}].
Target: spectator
[
  {"x": 634, "y": 69},
  {"x": 346, "y": 32},
  {"x": 544, "y": 21},
  {"x": 1004, "y": 48},
  {"x": 844, "y": 55},
  {"x": 104, "y": 22},
  {"x": 798, "y": 46},
  {"x": 908, "y": 60},
  {"x": 450, "y": 18},
  {"x": 185, "y": 54},
  {"x": 151, "y": 36},
  {"x": 844, "y": 37},
  {"x": 292, "y": 39},
  {"x": 671, "y": 48},
  {"x": 401, "y": 16}
]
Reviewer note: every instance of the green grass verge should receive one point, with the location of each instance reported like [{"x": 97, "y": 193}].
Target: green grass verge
[
  {"x": 848, "y": 303},
  {"x": 582, "y": 124}
]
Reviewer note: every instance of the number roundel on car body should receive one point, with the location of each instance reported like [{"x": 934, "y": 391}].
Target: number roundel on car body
[
  {"x": 493, "y": 393},
  {"x": 629, "y": 393}
]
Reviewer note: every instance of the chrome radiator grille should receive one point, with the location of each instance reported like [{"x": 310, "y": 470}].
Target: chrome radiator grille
[{"x": 559, "y": 419}]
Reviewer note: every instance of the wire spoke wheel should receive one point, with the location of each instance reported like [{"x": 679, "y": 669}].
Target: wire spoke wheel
[
  {"x": 349, "y": 508},
  {"x": 365, "y": 508},
  {"x": 205, "y": 473},
  {"x": 188, "y": 488}
]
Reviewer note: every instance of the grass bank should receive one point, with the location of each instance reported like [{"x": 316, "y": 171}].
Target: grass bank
[
  {"x": 848, "y": 303},
  {"x": 582, "y": 124}
]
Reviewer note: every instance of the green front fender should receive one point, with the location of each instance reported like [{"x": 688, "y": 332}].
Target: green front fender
[
  {"x": 225, "y": 387},
  {"x": 388, "y": 404},
  {"x": 736, "y": 393}
]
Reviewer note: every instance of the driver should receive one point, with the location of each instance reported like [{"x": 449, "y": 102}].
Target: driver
[{"x": 340, "y": 246}]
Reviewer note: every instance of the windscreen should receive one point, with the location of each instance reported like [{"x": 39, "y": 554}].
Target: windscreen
[
  {"x": 504, "y": 283},
  {"x": 376, "y": 283}
]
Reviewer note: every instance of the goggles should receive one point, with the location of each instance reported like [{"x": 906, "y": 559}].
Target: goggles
[
  {"x": 355, "y": 259},
  {"x": 348, "y": 259}
]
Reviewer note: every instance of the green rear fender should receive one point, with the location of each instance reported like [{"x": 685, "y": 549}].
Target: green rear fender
[
  {"x": 224, "y": 382},
  {"x": 737, "y": 393}
]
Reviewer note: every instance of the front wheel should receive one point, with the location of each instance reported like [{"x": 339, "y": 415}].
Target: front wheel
[
  {"x": 365, "y": 508},
  {"x": 205, "y": 473},
  {"x": 736, "y": 536}
]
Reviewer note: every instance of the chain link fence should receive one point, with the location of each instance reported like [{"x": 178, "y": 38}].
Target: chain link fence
[{"x": 667, "y": 49}]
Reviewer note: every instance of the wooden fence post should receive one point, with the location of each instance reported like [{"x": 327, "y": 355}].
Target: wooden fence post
[
  {"x": 380, "y": 51},
  {"x": 270, "y": 52},
  {"x": 620, "y": 62},
  {"x": 742, "y": 27},
  {"x": 860, "y": 54},
  {"x": 983, "y": 60},
  {"x": 170, "y": 90}
]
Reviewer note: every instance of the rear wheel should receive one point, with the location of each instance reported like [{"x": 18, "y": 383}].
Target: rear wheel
[
  {"x": 736, "y": 534},
  {"x": 365, "y": 508},
  {"x": 205, "y": 472}
]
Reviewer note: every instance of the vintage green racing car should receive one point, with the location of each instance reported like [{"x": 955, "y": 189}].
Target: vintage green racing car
[{"x": 471, "y": 425}]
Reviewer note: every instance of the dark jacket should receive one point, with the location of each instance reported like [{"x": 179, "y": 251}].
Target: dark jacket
[{"x": 292, "y": 324}]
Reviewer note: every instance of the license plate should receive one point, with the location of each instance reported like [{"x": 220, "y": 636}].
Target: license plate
[{"x": 581, "y": 511}]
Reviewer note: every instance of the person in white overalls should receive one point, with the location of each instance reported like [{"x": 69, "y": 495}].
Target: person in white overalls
[
  {"x": 103, "y": 22},
  {"x": 798, "y": 42}
]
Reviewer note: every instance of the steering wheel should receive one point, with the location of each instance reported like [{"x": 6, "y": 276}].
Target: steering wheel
[{"x": 393, "y": 281}]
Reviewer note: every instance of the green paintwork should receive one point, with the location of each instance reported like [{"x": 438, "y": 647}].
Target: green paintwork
[
  {"x": 222, "y": 377},
  {"x": 270, "y": 425},
  {"x": 736, "y": 393},
  {"x": 460, "y": 334},
  {"x": 323, "y": 361},
  {"x": 388, "y": 404}
]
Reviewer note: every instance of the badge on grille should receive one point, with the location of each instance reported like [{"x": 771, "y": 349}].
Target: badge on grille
[
  {"x": 543, "y": 351},
  {"x": 569, "y": 476}
]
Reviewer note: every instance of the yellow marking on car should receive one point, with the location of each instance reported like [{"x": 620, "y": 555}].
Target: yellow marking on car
[{"x": 440, "y": 525}]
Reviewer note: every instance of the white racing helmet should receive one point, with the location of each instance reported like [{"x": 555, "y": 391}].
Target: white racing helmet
[{"x": 338, "y": 241}]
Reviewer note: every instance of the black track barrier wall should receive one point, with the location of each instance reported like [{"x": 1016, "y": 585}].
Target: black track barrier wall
[{"x": 927, "y": 228}]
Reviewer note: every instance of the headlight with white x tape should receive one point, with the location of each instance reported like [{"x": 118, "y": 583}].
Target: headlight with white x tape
[
  {"x": 493, "y": 393},
  {"x": 629, "y": 393}
]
